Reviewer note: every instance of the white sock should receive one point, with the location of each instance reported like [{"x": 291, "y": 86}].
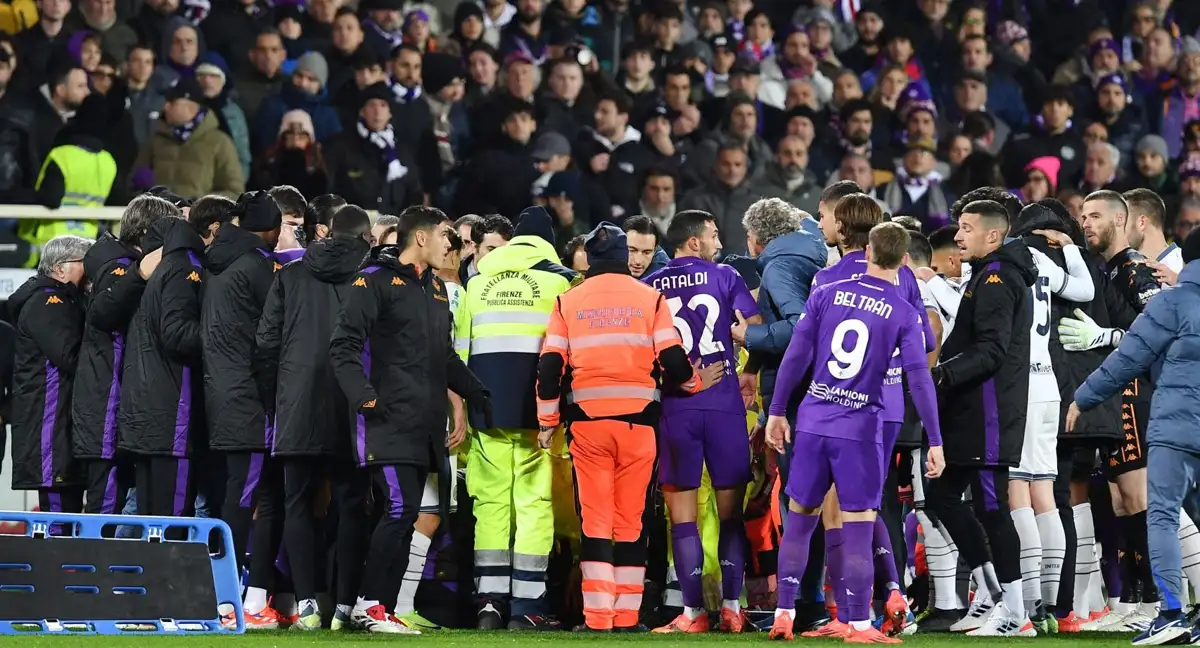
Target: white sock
[
  {"x": 1054, "y": 551},
  {"x": 256, "y": 600},
  {"x": 300, "y": 605},
  {"x": 1012, "y": 598},
  {"x": 942, "y": 564},
  {"x": 781, "y": 611},
  {"x": 983, "y": 593},
  {"x": 418, "y": 553},
  {"x": 693, "y": 613},
  {"x": 673, "y": 596},
  {"x": 994, "y": 586},
  {"x": 860, "y": 625},
  {"x": 1085, "y": 559},
  {"x": 1189, "y": 545},
  {"x": 345, "y": 609},
  {"x": 285, "y": 604},
  {"x": 1031, "y": 559},
  {"x": 735, "y": 606}
]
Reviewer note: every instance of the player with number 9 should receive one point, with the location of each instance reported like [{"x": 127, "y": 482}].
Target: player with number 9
[
  {"x": 847, "y": 338},
  {"x": 707, "y": 429}
]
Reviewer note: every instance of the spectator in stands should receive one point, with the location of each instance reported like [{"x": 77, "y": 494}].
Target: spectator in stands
[
  {"x": 416, "y": 31},
  {"x": 1004, "y": 97},
  {"x": 519, "y": 85},
  {"x": 382, "y": 25},
  {"x": 410, "y": 110},
  {"x": 1188, "y": 219},
  {"x": 265, "y": 76},
  {"x": 1041, "y": 179},
  {"x": 560, "y": 196},
  {"x": 1102, "y": 169},
  {"x": 1153, "y": 170},
  {"x": 658, "y": 197},
  {"x": 917, "y": 189},
  {"x": 499, "y": 178},
  {"x": 1179, "y": 103},
  {"x": 287, "y": 21},
  {"x": 306, "y": 92},
  {"x": 100, "y": 16},
  {"x": 613, "y": 153},
  {"x": 188, "y": 152},
  {"x": 366, "y": 166},
  {"x": 447, "y": 141},
  {"x": 295, "y": 159},
  {"x": 560, "y": 106},
  {"x": 367, "y": 70},
  {"x": 1124, "y": 119},
  {"x": 1053, "y": 133},
  {"x": 78, "y": 172},
  {"x": 483, "y": 65},
  {"x": 65, "y": 89},
  {"x": 151, "y": 20},
  {"x": 788, "y": 177},
  {"x": 182, "y": 45},
  {"x": 525, "y": 33},
  {"x": 971, "y": 97},
  {"x": 740, "y": 129},
  {"x": 317, "y": 23},
  {"x": 19, "y": 163},
  {"x": 231, "y": 29},
  {"x": 212, "y": 74},
  {"x": 345, "y": 50},
  {"x": 145, "y": 99},
  {"x": 468, "y": 29},
  {"x": 727, "y": 197},
  {"x": 39, "y": 44}
]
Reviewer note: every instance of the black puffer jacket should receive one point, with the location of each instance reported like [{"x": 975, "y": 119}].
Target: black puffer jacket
[
  {"x": 983, "y": 386},
  {"x": 394, "y": 358},
  {"x": 240, "y": 272},
  {"x": 162, "y": 394},
  {"x": 116, "y": 290},
  {"x": 49, "y": 316},
  {"x": 312, "y": 416}
]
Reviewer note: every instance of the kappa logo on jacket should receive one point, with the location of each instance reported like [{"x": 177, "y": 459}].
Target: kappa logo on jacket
[
  {"x": 194, "y": 276},
  {"x": 118, "y": 271},
  {"x": 278, "y": 266},
  {"x": 397, "y": 281},
  {"x": 360, "y": 282},
  {"x": 994, "y": 279},
  {"x": 53, "y": 299}
]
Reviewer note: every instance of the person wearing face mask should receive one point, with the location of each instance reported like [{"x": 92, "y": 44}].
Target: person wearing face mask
[
  {"x": 305, "y": 92},
  {"x": 296, "y": 158}
]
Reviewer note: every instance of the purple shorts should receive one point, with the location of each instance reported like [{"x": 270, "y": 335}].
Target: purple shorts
[
  {"x": 851, "y": 464},
  {"x": 887, "y": 450},
  {"x": 691, "y": 439}
]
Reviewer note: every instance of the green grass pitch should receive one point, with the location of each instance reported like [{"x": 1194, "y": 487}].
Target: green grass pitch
[{"x": 468, "y": 639}]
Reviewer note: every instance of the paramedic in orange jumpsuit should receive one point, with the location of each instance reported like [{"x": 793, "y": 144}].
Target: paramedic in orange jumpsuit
[{"x": 610, "y": 347}]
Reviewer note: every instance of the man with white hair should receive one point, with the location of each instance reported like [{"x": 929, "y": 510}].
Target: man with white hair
[
  {"x": 49, "y": 313},
  {"x": 1102, "y": 168}
]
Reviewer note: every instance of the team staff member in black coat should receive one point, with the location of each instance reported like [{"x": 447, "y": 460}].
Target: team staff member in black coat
[
  {"x": 241, "y": 268},
  {"x": 49, "y": 312},
  {"x": 161, "y": 420},
  {"x": 118, "y": 278},
  {"x": 312, "y": 417},
  {"x": 983, "y": 385},
  {"x": 393, "y": 355}
]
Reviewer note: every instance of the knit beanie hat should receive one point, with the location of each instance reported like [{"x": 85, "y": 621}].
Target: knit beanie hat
[
  {"x": 298, "y": 117},
  {"x": 438, "y": 70},
  {"x": 1155, "y": 144},
  {"x": 314, "y": 64},
  {"x": 606, "y": 243},
  {"x": 214, "y": 64},
  {"x": 535, "y": 221},
  {"x": 1048, "y": 165}
]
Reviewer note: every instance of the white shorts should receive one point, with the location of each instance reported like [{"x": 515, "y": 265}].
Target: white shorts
[
  {"x": 1039, "y": 452},
  {"x": 430, "y": 501}
]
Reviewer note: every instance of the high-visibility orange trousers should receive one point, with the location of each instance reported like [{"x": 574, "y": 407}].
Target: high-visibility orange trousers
[{"x": 613, "y": 464}]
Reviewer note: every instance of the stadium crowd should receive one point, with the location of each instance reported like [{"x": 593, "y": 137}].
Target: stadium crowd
[{"x": 647, "y": 285}]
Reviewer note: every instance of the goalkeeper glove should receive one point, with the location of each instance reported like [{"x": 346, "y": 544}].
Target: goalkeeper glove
[{"x": 1083, "y": 333}]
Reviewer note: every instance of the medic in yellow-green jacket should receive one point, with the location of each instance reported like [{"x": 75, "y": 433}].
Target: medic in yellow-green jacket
[{"x": 501, "y": 323}]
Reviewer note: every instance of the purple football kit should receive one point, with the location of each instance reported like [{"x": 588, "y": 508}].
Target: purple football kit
[
  {"x": 708, "y": 428},
  {"x": 852, "y": 266},
  {"x": 847, "y": 338}
]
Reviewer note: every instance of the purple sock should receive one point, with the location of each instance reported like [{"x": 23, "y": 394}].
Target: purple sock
[
  {"x": 859, "y": 570},
  {"x": 910, "y": 539},
  {"x": 834, "y": 561},
  {"x": 689, "y": 562},
  {"x": 885, "y": 561},
  {"x": 793, "y": 556},
  {"x": 731, "y": 552}
]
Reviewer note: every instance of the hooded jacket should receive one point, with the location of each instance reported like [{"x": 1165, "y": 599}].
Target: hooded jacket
[
  {"x": 162, "y": 393},
  {"x": 1071, "y": 368},
  {"x": 502, "y": 321},
  {"x": 291, "y": 355},
  {"x": 240, "y": 272},
  {"x": 1165, "y": 341},
  {"x": 787, "y": 267},
  {"x": 116, "y": 290},
  {"x": 206, "y": 163},
  {"x": 270, "y": 115},
  {"x": 49, "y": 316},
  {"x": 983, "y": 370},
  {"x": 394, "y": 358}
]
